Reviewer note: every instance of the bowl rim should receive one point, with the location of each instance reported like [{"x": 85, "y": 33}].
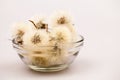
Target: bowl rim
[{"x": 81, "y": 40}]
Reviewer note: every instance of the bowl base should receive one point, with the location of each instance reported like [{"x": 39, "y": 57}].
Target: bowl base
[{"x": 48, "y": 69}]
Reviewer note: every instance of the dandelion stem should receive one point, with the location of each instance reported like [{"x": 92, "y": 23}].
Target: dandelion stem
[{"x": 33, "y": 23}]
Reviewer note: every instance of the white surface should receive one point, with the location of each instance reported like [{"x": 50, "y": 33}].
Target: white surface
[{"x": 97, "y": 20}]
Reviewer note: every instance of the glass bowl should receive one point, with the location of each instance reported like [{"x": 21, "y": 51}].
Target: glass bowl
[{"x": 54, "y": 58}]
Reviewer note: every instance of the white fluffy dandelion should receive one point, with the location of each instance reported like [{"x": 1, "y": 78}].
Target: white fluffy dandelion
[
  {"x": 59, "y": 18},
  {"x": 62, "y": 18},
  {"x": 20, "y": 27},
  {"x": 61, "y": 34},
  {"x": 18, "y": 30},
  {"x": 35, "y": 40}
]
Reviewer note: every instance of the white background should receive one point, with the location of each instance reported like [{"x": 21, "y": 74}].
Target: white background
[{"x": 97, "y": 20}]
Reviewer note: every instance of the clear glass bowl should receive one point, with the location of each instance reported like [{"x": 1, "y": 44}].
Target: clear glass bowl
[{"x": 51, "y": 60}]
